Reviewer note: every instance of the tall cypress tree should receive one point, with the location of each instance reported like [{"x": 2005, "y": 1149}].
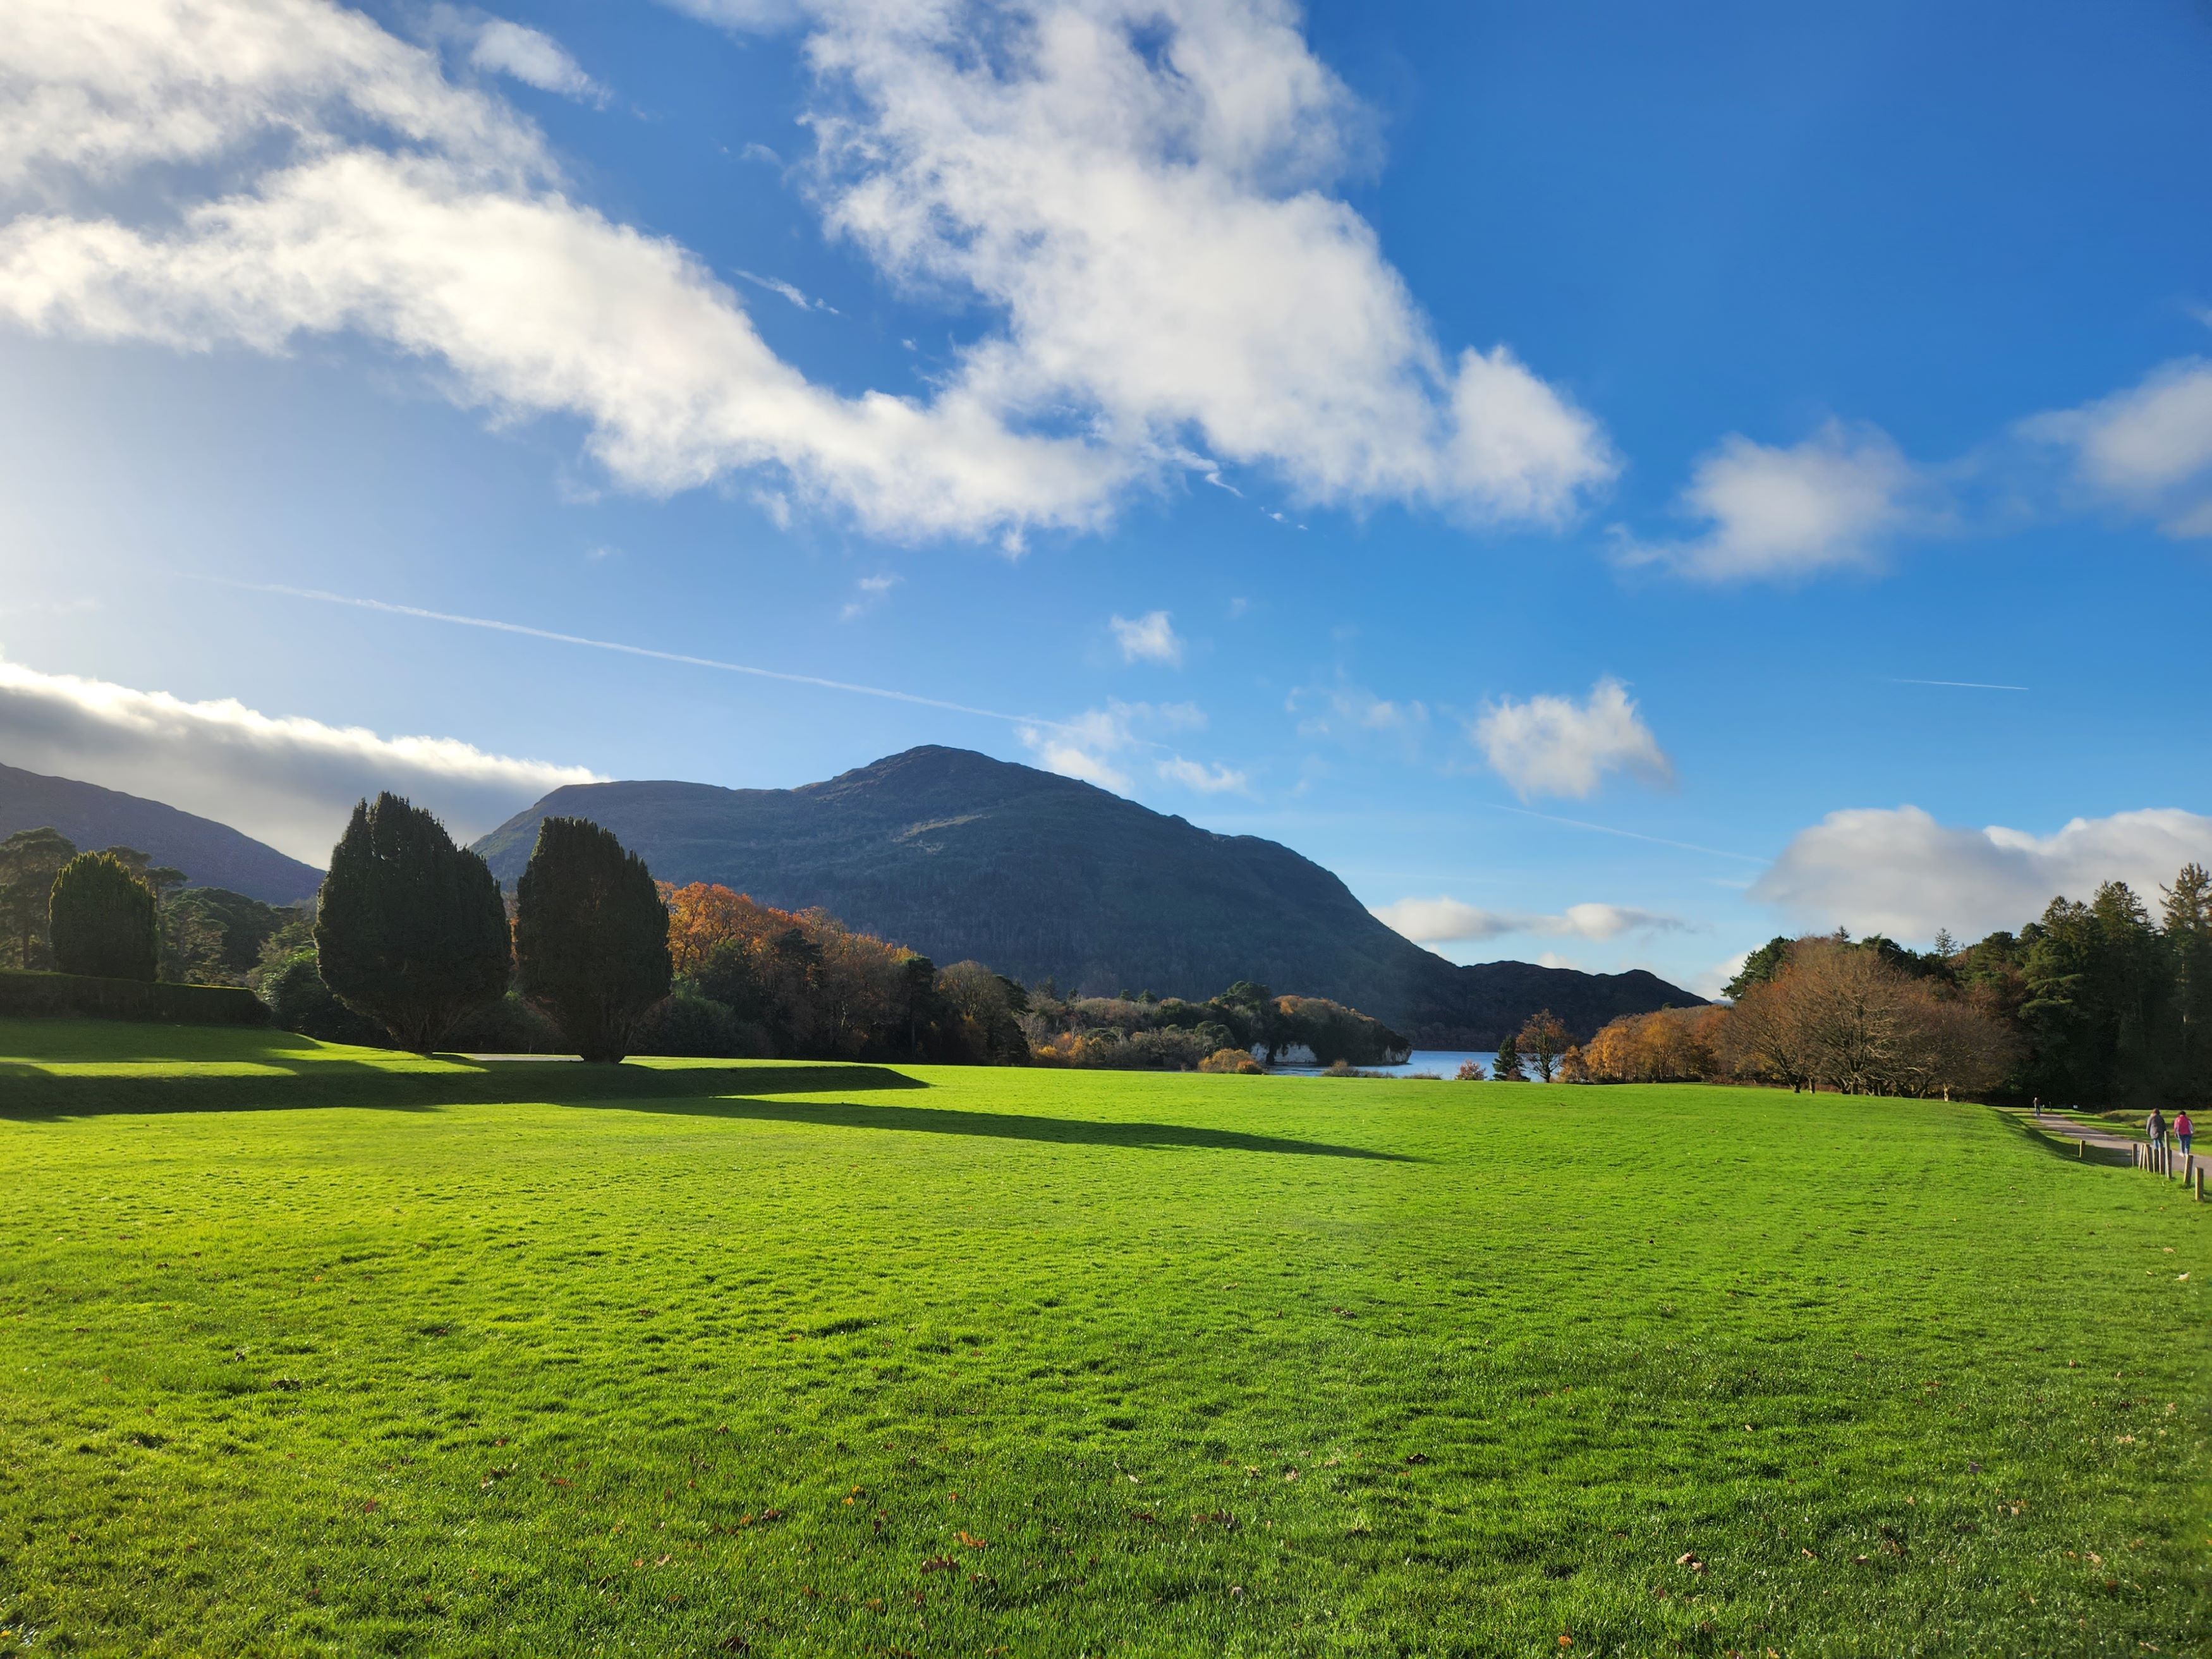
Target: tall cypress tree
[
  {"x": 590, "y": 936},
  {"x": 410, "y": 929},
  {"x": 100, "y": 918}
]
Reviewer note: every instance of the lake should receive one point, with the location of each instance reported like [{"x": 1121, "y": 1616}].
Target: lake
[{"x": 1443, "y": 1062}]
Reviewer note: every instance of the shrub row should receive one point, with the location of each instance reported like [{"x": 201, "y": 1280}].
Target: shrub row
[{"x": 30, "y": 995}]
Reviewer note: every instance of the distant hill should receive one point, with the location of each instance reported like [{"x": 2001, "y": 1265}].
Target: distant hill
[
  {"x": 210, "y": 854},
  {"x": 959, "y": 855}
]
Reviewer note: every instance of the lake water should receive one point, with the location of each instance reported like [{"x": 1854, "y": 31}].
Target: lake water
[{"x": 1443, "y": 1062}]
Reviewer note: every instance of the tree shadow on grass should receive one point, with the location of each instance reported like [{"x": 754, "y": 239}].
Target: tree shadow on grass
[
  {"x": 1002, "y": 1126},
  {"x": 2057, "y": 1143},
  {"x": 28, "y": 1095}
]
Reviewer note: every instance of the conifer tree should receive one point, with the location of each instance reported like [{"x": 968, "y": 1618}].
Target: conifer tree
[
  {"x": 100, "y": 919},
  {"x": 2188, "y": 948},
  {"x": 1509, "y": 1067},
  {"x": 410, "y": 929},
  {"x": 590, "y": 936}
]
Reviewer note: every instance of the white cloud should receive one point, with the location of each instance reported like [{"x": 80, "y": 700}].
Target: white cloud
[
  {"x": 1552, "y": 745},
  {"x": 501, "y": 47},
  {"x": 1148, "y": 638},
  {"x": 1140, "y": 189},
  {"x": 1138, "y": 196},
  {"x": 288, "y": 781},
  {"x": 1083, "y": 747},
  {"x": 1900, "y": 872},
  {"x": 1093, "y": 746},
  {"x": 1605, "y": 920},
  {"x": 2147, "y": 449},
  {"x": 1448, "y": 922},
  {"x": 94, "y": 87},
  {"x": 790, "y": 291},
  {"x": 1451, "y": 922},
  {"x": 1714, "y": 980},
  {"x": 1215, "y": 779},
  {"x": 871, "y": 590},
  {"x": 1830, "y": 502},
  {"x": 1347, "y": 711}
]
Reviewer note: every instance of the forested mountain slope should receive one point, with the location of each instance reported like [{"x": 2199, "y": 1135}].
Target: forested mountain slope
[{"x": 959, "y": 855}]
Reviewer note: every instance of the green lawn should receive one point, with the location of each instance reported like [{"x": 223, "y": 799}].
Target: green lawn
[{"x": 314, "y": 1350}]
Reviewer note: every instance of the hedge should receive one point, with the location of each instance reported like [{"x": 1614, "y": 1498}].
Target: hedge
[{"x": 81, "y": 996}]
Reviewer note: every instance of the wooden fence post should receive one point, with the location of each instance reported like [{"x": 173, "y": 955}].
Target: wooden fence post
[{"x": 2200, "y": 1186}]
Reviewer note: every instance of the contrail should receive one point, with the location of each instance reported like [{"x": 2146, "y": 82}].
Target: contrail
[
  {"x": 1962, "y": 685},
  {"x": 498, "y": 627},
  {"x": 1632, "y": 835}
]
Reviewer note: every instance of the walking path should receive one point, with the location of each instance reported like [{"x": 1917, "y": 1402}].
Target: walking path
[{"x": 2065, "y": 1129}]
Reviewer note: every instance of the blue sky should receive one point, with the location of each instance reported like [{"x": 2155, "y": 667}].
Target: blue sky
[{"x": 1529, "y": 459}]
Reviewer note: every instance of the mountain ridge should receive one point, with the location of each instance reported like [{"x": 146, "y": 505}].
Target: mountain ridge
[
  {"x": 956, "y": 855},
  {"x": 210, "y": 854}
]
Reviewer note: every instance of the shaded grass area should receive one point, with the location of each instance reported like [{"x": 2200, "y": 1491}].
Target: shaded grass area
[{"x": 842, "y": 1360}]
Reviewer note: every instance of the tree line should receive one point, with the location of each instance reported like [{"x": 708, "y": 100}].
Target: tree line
[
  {"x": 2106, "y": 1004},
  {"x": 201, "y": 935},
  {"x": 1223, "y": 1033},
  {"x": 411, "y": 942}
]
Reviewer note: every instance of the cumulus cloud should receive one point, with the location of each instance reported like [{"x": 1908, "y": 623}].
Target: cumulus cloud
[
  {"x": 1142, "y": 189},
  {"x": 1148, "y": 638},
  {"x": 1096, "y": 745},
  {"x": 1214, "y": 780},
  {"x": 1452, "y": 921},
  {"x": 286, "y": 780},
  {"x": 1781, "y": 513},
  {"x": 1552, "y": 745},
  {"x": 500, "y": 47},
  {"x": 1900, "y": 872},
  {"x": 1138, "y": 196},
  {"x": 2147, "y": 449}
]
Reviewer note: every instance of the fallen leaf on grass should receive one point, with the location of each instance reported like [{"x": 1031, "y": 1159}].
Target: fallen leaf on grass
[
  {"x": 1688, "y": 1558},
  {"x": 1417, "y": 1458},
  {"x": 972, "y": 1542},
  {"x": 940, "y": 1564}
]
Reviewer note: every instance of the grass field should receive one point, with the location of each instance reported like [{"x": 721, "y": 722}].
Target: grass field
[{"x": 317, "y": 1350}]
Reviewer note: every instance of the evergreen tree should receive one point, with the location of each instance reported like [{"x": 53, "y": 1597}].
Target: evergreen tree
[
  {"x": 590, "y": 936},
  {"x": 1759, "y": 968},
  {"x": 410, "y": 929},
  {"x": 101, "y": 920},
  {"x": 1509, "y": 1067},
  {"x": 2188, "y": 918}
]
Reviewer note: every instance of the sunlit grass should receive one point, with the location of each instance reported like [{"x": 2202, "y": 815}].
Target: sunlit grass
[{"x": 841, "y": 1359}]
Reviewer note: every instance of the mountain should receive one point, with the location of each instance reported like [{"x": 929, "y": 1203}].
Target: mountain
[
  {"x": 210, "y": 854},
  {"x": 958, "y": 855}
]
